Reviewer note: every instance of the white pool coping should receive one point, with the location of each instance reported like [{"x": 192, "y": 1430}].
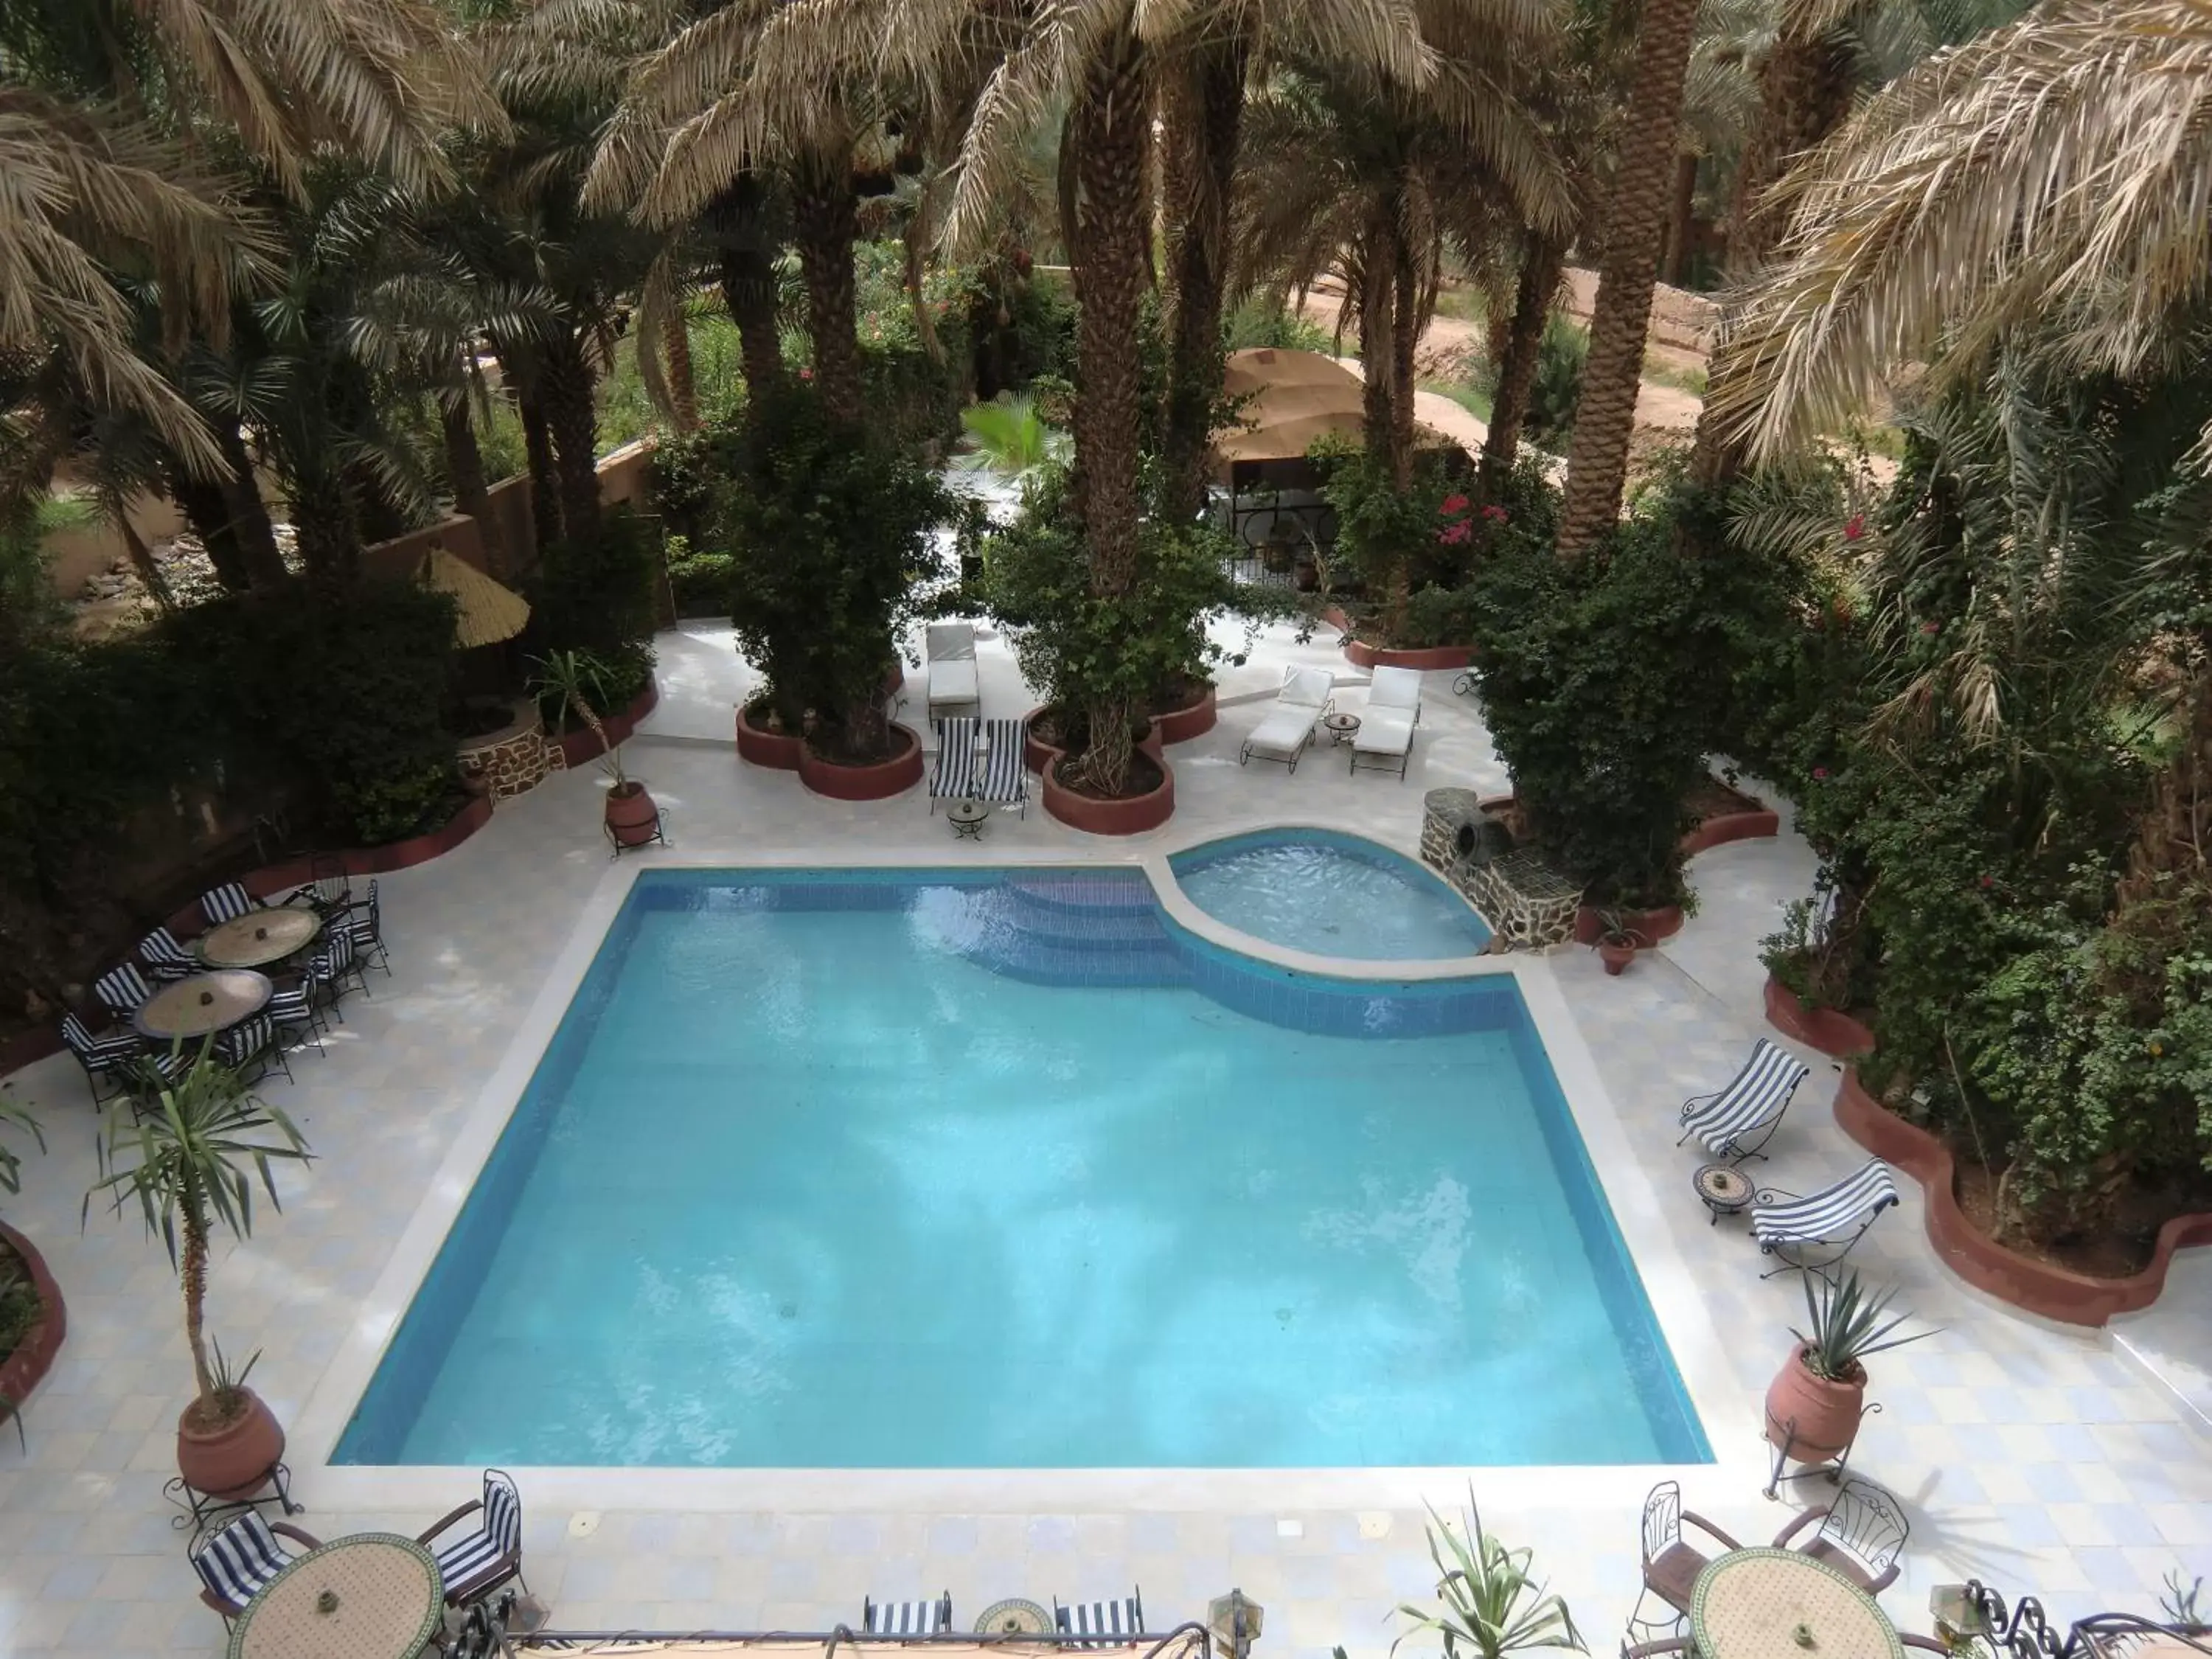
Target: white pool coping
[{"x": 1684, "y": 1319}]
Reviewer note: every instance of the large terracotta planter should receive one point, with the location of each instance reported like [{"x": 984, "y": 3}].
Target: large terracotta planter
[
  {"x": 1037, "y": 754},
  {"x": 632, "y": 818},
  {"x": 1817, "y": 1417},
  {"x": 878, "y": 782},
  {"x": 2040, "y": 1287},
  {"x": 1360, "y": 654},
  {"x": 23, "y": 1370},
  {"x": 1831, "y": 1030},
  {"x": 779, "y": 750},
  {"x": 1651, "y": 925},
  {"x": 234, "y": 1460},
  {"x": 1194, "y": 719},
  {"x": 1131, "y": 816},
  {"x": 580, "y": 745},
  {"x": 1719, "y": 830}
]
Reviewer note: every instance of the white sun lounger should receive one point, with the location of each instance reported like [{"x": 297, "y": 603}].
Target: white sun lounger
[
  {"x": 953, "y": 689},
  {"x": 1386, "y": 724},
  {"x": 1289, "y": 727}
]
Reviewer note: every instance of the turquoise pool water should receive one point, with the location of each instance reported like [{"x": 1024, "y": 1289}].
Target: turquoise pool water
[
  {"x": 1000, "y": 1170},
  {"x": 1336, "y": 895}
]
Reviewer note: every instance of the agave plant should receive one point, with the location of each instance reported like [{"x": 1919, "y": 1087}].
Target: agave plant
[
  {"x": 1844, "y": 1323},
  {"x": 1488, "y": 1605},
  {"x": 580, "y": 680},
  {"x": 11, "y": 1163}
]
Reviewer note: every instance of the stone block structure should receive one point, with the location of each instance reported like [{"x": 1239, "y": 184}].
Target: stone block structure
[
  {"x": 1527, "y": 904},
  {"x": 513, "y": 759}
]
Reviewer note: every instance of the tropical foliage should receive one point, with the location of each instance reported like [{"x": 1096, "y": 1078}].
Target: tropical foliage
[{"x": 1489, "y": 1603}]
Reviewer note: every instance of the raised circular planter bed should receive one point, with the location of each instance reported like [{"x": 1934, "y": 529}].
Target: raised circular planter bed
[
  {"x": 577, "y": 746},
  {"x": 1654, "y": 925},
  {"x": 274, "y": 879},
  {"x": 877, "y": 782},
  {"x": 1037, "y": 754},
  {"x": 1193, "y": 719},
  {"x": 1829, "y": 1030},
  {"x": 777, "y": 749},
  {"x": 1727, "y": 827},
  {"x": 1132, "y": 816},
  {"x": 1361, "y": 654},
  {"x": 21, "y": 1370},
  {"x": 2037, "y": 1286}
]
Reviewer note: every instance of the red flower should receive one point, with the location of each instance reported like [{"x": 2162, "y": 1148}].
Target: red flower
[
  {"x": 1931, "y": 627},
  {"x": 1495, "y": 514},
  {"x": 1988, "y": 881},
  {"x": 1454, "y": 503},
  {"x": 1820, "y": 774},
  {"x": 1453, "y": 533},
  {"x": 805, "y": 374},
  {"x": 1855, "y": 526}
]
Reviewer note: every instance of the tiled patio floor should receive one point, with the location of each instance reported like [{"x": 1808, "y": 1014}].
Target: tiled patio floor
[{"x": 2037, "y": 1457}]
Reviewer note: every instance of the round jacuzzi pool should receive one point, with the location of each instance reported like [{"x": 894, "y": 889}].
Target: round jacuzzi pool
[{"x": 1330, "y": 894}]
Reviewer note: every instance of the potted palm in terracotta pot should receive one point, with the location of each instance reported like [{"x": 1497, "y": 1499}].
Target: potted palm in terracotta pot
[
  {"x": 579, "y": 679},
  {"x": 191, "y": 1154},
  {"x": 1814, "y": 1403}
]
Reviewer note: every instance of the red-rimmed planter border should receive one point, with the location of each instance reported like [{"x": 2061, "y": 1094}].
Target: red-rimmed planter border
[
  {"x": 878, "y": 782},
  {"x": 1037, "y": 754},
  {"x": 1651, "y": 925},
  {"x": 777, "y": 749},
  {"x": 1132, "y": 816},
  {"x": 1719, "y": 830},
  {"x": 2053, "y": 1293},
  {"x": 1360, "y": 654},
  {"x": 577, "y": 746},
  {"x": 22, "y": 1371},
  {"x": 1194, "y": 719},
  {"x": 1831, "y": 1030}
]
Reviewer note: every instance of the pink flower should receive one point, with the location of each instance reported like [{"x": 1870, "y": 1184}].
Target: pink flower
[
  {"x": 1495, "y": 514},
  {"x": 1931, "y": 627},
  {"x": 1988, "y": 881},
  {"x": 1454, "y": 503},
  {"x": 1855, "y": 526},
  {"x": 1820, "y": 774},
  {"x": 1453, "y": 533},
  {"x": 805, "y": 374}
]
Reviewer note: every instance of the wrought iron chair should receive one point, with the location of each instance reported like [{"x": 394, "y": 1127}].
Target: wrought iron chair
[
  {"x": 1671, "y": 1564},
  {"x": 111, "y": 1057},
  {"x": 488, "y": 1557},
  {"x": 237, "y": 1563},
  {"x": 227, "y": 903},
  {"x": 164, "y": 958},
  {"x": 1861, "y": 1534}
]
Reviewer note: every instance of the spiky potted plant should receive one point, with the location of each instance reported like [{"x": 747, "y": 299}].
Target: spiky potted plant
[
  {"x": 191, "y": 1153},
  {"x": 580, "y": 680},
  {"x": 1617, "y": 942},
  {"x": 1489, "y": 1603},
  {"x": 1814, "y": 1403}
]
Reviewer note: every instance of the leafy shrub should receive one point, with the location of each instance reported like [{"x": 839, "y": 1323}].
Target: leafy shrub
[
  {"x": 1556, "y": 390},
  {"x": 596, "y": 593},
  {"x": 700, "y": 580},
  {"x": 1261, "y": 321}
]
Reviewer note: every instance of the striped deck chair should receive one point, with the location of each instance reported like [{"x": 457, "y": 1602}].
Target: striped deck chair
[
  {"x": 239, "y": 1562},
  {"x": 111, "y": 1058},
  {"x": 1104, "y": 1622},
  {"x": 364, "y": 920},
  {"x": 124, "y": 989},
  {"x": 1832, "y": 1220},
  {"x": 955, "y": 775},
  {"x": 908, "y": 1618},
  {"x": 227, "y": 903},
  {"x": 1005, "y": 777},
  {"x": 253, "y": 1038},
  {"x": 164, "y": 957},
  {"x": 1752, "y": 1105}
]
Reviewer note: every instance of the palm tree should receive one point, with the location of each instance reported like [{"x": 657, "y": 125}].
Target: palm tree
[
  {"x": 194, "y": 1147},
  {"x": 2048, "y": 170},
  {"x": 1604, "y": 418}
]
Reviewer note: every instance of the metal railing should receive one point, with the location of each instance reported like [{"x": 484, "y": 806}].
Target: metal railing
[{"x": 1189, "y": 1638}]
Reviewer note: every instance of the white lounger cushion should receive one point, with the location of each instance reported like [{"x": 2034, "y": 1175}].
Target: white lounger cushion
[
  {"x": 1284, "y": 733},
  {"x": 1395, "y": 688},
  {"x": 1383, "y": 732},
  {"x": 952, "y": 648}
]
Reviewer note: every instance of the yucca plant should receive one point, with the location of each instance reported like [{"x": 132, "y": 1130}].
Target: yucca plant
[
  {"x": 1844, "y": 1323},
  {"x": 580, "y": 680},
  {"x": 1488, "y": 1604},
  {"x": 190, "y": 1154},
  {"x": 11, "y": 1162}
]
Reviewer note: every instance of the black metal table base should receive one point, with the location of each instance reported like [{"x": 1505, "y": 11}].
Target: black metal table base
[
  {"x": 1832, "y": 1468},
  {"x": 199, "y": 1510}
]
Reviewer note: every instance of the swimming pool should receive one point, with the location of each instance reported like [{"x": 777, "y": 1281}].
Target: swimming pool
[
  {"x": 1000, "y": 1168},
  {"x": 1334, "y": 895}
]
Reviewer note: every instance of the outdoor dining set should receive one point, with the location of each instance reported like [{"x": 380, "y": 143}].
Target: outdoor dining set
[{"x": 259, "y": 973}]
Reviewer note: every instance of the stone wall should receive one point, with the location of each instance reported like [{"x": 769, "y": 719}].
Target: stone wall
[
  {"x": 1527, "y": 903},
  {"x": 511, "y": 761}
]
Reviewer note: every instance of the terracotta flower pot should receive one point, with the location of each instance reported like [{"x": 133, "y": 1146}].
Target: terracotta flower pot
[
  {"x": 631, "y": 814},
  {"x": 1824, "y": 1414},
  {"x": 234, "y": 1460},
  {"x": 1616, "y": 957}
]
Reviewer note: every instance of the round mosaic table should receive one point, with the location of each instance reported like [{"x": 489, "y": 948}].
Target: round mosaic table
[
  {"x": 1723, "y": 1188},
  {"x": 1341, "y": 728},
  {"x": 259, "y": 938},
  {"x": 1778, "y": 1604},
  {"x": 201, "y": 1003},
  {"x": 1014, "y": 1617},
  {"x": 373, "y": 1596},
  {"x": 967, "y": 817}
]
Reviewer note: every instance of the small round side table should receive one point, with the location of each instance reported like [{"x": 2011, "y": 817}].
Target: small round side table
[
  {"x": 1340, "y": 727},
  {"x": 1016, "y": 1616},
  {"x": 967, "y": 817},
  {"x": 1722, "y": 1188}
]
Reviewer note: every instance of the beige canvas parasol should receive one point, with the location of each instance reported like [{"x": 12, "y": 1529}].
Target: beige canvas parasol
[
  {"x": 485, "y": 612},
  {"x": 1289, "y": 399}
]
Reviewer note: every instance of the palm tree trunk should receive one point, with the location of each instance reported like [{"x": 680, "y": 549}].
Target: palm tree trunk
[
  {"x": 826, "y": 227},
  {"x": 1111, "y": 128},
  {"x": 1378, "y": 335},
  {"x": 683, "y": 385},
  {"x": 208, "y": 514},
  {"x": 1541, "y": 267},
  {"x": 544, "y": 475},
  {"x": 191, "y": 1275},
  {"x": 737, "y": 222},
  {"x": 911, "y": 241},
  {"x": 249, "y": 515},
  {"x": 566, "y": 382},
  {"x": 1804, "y": 93},
  {"x": 1605, "y": 420},
  {"x": 322, "y": 518},
  {"x": 1681, "y": 219},
  {"x": 465, "y": 471},
  {"x": 1405, "y": 340},
  {"x": 1206, "y": 137}
]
